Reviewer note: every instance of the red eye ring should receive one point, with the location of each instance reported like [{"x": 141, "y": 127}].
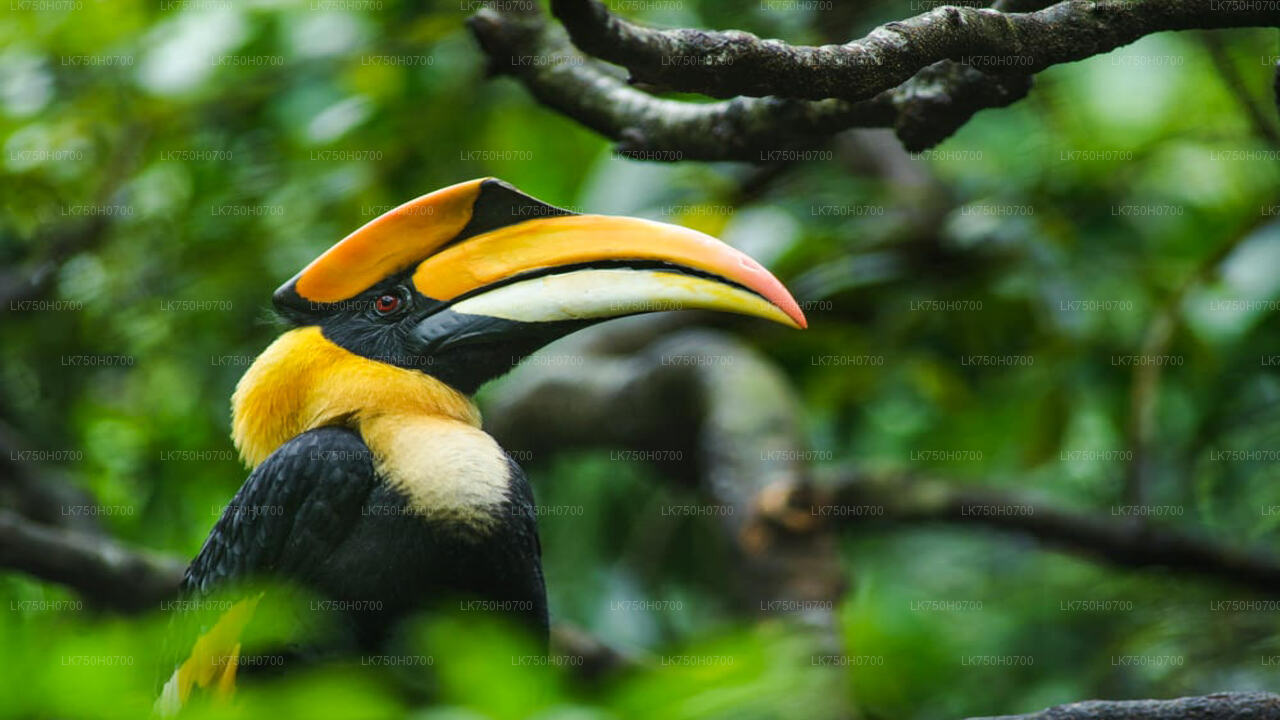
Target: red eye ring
[{"x": 386, "y": 304}]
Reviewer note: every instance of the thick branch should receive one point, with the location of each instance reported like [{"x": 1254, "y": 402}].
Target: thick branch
[
  {"x": 1219, "y": 706},
  {"x": 529, "y": 49},
  {"x": 924, "y": 111},
  {"x": 1120, "y": 541},
  {"x": 100, "y": 569},
  {"x": 729, "y": 63}
]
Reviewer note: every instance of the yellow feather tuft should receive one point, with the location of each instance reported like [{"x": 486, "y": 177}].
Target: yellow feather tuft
[
  {"x": 303, "y": 381},
  {"x": 212, "y": 663}
]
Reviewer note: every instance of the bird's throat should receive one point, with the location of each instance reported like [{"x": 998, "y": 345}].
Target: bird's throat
[{"x": 303, "y": 381}]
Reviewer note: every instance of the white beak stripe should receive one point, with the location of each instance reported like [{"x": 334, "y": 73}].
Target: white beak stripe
[{"x": 603, "y": 293}]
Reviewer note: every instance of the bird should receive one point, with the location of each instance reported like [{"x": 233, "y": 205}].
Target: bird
[{"x": 372, "y": 480}]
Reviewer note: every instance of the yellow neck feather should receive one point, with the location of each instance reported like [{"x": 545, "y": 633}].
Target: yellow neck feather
[{"x": 302, "y": 381}]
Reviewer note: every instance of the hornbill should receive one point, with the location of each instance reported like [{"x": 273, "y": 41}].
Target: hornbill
[{"x": 372, "y": 482}]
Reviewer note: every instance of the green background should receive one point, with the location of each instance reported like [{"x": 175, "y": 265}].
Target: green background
[{"x": 223, "y": 177}]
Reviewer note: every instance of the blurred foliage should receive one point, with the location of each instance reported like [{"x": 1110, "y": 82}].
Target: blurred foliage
[{"x": 225, "y": 144}]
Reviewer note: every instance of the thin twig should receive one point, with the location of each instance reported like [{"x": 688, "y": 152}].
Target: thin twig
[{"x": 1263, "y": 125}]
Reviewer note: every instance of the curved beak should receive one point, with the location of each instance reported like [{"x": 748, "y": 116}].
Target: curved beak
[
  {"x": 592, "y": 267},
  {"x": 497, "y": 274}
]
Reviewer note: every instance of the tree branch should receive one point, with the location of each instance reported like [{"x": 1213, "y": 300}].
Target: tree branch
[
  {"x": 542, "y": 59},
  {"x": 1125, "y": 542},
  {"x": 729, "y": 63},
  {"x": 100, "y": 569},
  {"x": 1254, "y": 109},
  {"x": 1162, "y": 329},
  {"x": 923, "y": 111},
  {"x": 1218, "y": 706}
]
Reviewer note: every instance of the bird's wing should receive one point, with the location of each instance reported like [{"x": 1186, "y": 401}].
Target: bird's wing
[
  {"x": 289, "y": 515},
  {"x": 292, "y": 512}
]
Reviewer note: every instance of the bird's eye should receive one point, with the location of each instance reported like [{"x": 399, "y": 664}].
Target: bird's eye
[{"x": 386, "y": 304}]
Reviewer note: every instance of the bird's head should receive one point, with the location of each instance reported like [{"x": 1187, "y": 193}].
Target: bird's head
[{"x": 463, "y": 283}]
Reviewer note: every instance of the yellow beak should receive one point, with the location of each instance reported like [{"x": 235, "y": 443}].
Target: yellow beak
[{"x": 484, "y": 248}]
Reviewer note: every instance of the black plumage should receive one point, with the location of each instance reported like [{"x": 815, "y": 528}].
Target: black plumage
[{"x": 316, "y": 513}]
